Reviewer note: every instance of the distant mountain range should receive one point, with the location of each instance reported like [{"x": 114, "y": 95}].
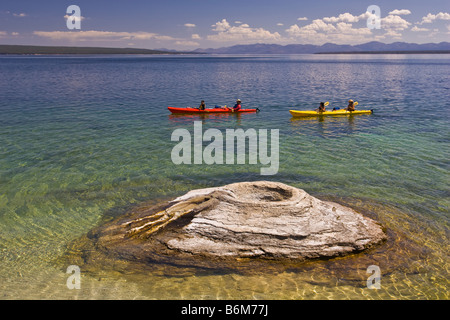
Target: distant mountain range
[{"x": 370, "y": 47}]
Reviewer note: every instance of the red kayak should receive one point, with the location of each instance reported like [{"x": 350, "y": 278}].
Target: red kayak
[{"x": 212, "y": 110}]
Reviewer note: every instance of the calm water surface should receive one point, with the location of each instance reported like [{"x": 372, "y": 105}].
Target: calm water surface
[{"x": 84, "y": 138}]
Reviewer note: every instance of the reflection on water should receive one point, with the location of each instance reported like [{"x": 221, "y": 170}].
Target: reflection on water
[
  {"x": 211, "y": 117},
  {"x": 330, "y": 126},
  {"x": 224, "y": 119}
]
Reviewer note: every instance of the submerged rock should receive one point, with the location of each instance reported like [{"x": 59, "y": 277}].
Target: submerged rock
[{"x": 235, "y": 223}]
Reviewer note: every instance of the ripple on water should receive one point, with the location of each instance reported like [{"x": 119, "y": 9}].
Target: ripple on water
[
  {"x": 409, "y": 270},
  {"x": 66, "y": 165}
]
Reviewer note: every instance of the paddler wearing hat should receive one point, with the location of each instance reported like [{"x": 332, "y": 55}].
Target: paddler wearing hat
[
  {"x": 351, "y": 106},
  {"x": 237, "y": 106}
]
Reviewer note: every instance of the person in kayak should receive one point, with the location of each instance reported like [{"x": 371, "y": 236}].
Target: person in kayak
[
  {"x": 351, "y": 106},
  {"x": 202, "y": 105},
  {"x": 237, "y": 106},
  {"x": 321, "y": 107}
]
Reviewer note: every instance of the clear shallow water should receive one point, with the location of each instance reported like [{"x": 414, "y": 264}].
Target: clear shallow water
[{"x": 84, "y": 138}]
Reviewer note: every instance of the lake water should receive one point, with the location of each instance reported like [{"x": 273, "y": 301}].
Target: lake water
[{"x": 85, "y": 138}]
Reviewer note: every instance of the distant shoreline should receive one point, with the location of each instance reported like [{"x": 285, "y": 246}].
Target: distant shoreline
[
  {"x": 390, "y": 52},
  {"x": 59, "y": 50},
  {"x": 63, "y": 50}
]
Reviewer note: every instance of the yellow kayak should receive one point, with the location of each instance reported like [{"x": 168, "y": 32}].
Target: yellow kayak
[{"x": 299, "y": 113}]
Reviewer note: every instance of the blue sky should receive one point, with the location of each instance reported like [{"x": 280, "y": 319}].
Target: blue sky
[{"x": 190, "y": 24}]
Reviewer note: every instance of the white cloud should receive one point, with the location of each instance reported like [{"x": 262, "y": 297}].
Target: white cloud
[
  {"x": 187, "y": 43},
  {"x": 93, "y": 35},
  {"x": 344, "y": 17},
  {"x": 393, "y": 22},
  {"x": 429, "y": 18},
  {"x": 400, "y": 12},
  {"x": 393, "y": 34},
  {"x": 196, "y": 36},
  {"x": 221, "y": 26},
  {"x": 296, "y": 31},
  {"x": 417, "y": 29},
  {"x": 4, "y": 34},
  {"x": 189, "y": 25},
  {"x": 19, "y": 15},
  {"x": 242, "y": 33},
  {"x": 280, "y": 24},
  {"x": 347, "y": 28},
  {"x": 302, "y": 19},
  {"x": 319, "y": 25},
  {"x": 393, "y": 25},
  {"x": 74, "y": 18},
  {"x": 318, "y": 31}
]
